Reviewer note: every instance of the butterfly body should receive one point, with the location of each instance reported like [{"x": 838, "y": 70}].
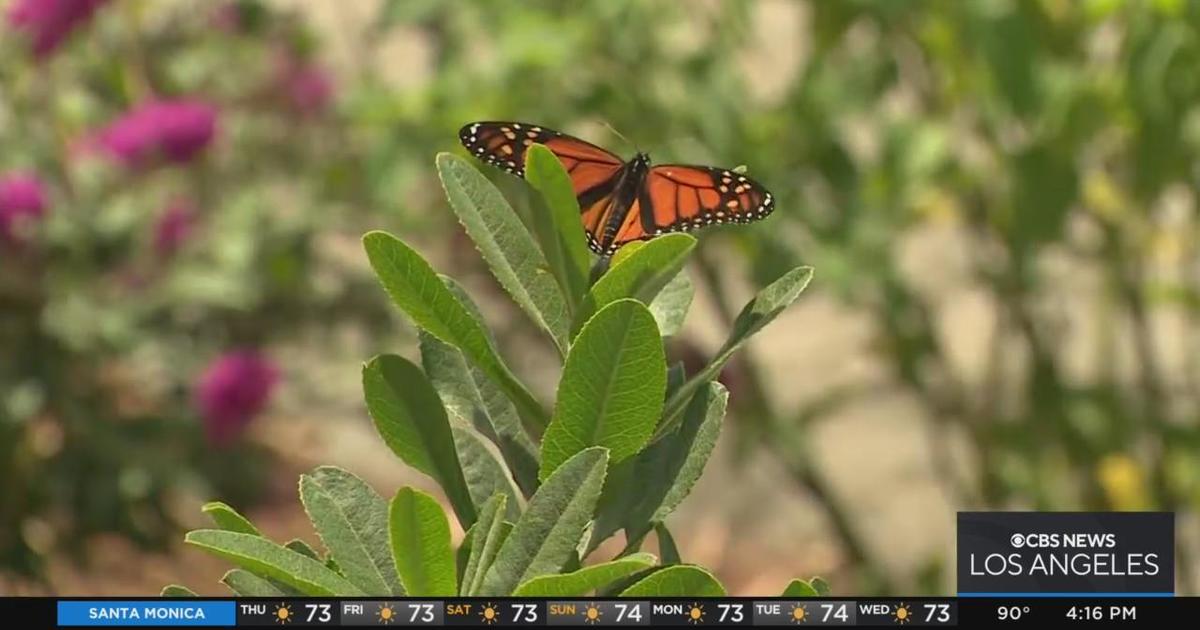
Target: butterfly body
[{"x": 623, "y": 201}]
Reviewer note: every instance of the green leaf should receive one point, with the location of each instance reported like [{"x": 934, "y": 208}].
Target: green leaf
[
  {"x": 412, "y": 421},
  {"x": 301, "y": 547},
  {"x": 551, "y": 526},
  {"x": 640, "y": 274},
  {"x": 417, "y": 290},
  {"x": 681, "y": 580},
  {"x": 509, "y": 249},
  {"x": 470, "y": 395},
  {"x": 799, "y": 588},
  {"x": 669, "y": 469},
  {"x": 268, "y": 559},
  {"x": 177, "y": 590},
  {"x": 585, "y": 580},
  {"x": 352, "y": 521},
  {"x": 228, "y": 519},
  {"x": 486, "y": 537},
  {"x": 463, "y": 554},
  {"x": 760, "y": 311},
  {"x": 484, "y": 470},
  {"x": 420, "y": 537},
  {"x": 670, "y": 306},
  {"x": 643, "y": 491},
  {"x": 559, "y": 231},
  {"x": 611, "y": 392},
  {"x": 666, "y": 545},
  {"x": 820, "y": 586},
  {"x": 245, "y": 584}
]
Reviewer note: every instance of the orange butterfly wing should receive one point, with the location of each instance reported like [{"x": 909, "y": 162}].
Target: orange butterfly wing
[
  {"x": 593, "y": 170},
  {"x": 503, "y": 144},
  {"x": 678, "y": 197}
]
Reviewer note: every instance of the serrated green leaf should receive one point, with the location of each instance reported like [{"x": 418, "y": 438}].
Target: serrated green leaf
[
  {"x": 245, "y": 584},
  {"x": 485, "y": 539},
  {"x": 559, "y": 231},
  {"x": 585, "y": 580},
  {"x": 681, "y": 580},
  {"x": 409, "y": 415},
  {"x": 417, "y": 290},
  {"x": 670, "y": 306},
  {"x": 471, "y": 396},
  {"x": 640, "y": 274},
  {"x": 510, "y": 251},
  {"x": 760, "y": 311},
  {"x": 420, "y": 542},
  {"x": 177, "y": 590},
  {"x": 612, "y": 387},
  {"x": 484, "y": 470},
  {"x": 545, "y": 537},
  {"x": 352, "y": 521},
  {"x": 268, "y": 559},
  {"x": 229, "y": 519}
]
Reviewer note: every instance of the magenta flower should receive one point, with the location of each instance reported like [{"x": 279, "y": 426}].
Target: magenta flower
[
  {"x": 232, "y": 391},
  {"x": 173, "y": 228},
  {"x": 309, "y": 88},
  {"x": 48, "y": 22},
  {"x": 22, "y": 202},
  {"x": 306, "y": 86},
  {"x": 174, "y": 131}
]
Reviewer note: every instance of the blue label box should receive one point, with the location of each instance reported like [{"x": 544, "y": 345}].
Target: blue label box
[{"x": 160, "y": 612}]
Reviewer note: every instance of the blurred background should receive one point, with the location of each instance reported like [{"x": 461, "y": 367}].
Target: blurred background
[{"x": 999, "y": 198}]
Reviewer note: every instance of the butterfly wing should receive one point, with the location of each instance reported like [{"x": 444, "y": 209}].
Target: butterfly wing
[
  {"x": 594, "y": 171},
  {"x": 679, "y": 197},
  {"x": 503, "y": 144}
]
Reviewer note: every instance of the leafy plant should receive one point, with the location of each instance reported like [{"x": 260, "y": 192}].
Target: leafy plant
[{"x": 536, "y": 492}]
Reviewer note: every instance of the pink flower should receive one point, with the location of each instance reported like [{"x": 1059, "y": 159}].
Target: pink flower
[
  {"x": 48, "y": 22},
  {"x": 305, "y": 85},
  {"x": 232, "y": 391},
  {"x": 174, "y": 131},
  {"x": 173, "y": 228},
  {"x": 309, "y": 88},
  {"x": 22, "y": 201}
]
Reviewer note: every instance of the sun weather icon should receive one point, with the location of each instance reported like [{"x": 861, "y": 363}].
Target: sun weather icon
[
  {"x": 489, "y": 615},
  {"x": 283, "y": 614},
  {"x": 695, "y": 614},
  {"x": 592, "y": 614},
  {"x": 799, "y": 613},
  {"x": 902, "y": 614},
  {"x": 386, "y": 614}
]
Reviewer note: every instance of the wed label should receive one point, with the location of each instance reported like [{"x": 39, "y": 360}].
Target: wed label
[{"x": 1116, "y": 553}]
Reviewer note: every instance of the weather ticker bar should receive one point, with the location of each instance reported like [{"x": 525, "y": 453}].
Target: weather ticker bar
[{"x": 1130, "y": 611}]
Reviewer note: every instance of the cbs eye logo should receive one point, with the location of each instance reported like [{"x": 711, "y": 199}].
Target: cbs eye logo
[{"x": 1034, "y": 540}]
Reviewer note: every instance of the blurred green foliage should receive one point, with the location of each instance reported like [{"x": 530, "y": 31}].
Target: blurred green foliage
[{"x": 102, "y": 332}]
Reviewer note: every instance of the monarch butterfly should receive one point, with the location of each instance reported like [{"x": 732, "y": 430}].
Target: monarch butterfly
[{"x": 621, "y": 201}]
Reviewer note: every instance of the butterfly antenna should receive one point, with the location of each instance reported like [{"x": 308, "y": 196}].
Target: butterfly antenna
[{"x": 622, "y": 136}]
